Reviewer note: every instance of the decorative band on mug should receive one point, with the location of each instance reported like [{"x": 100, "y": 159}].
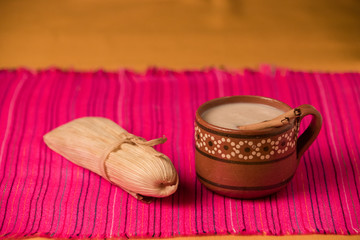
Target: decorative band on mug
[
  {"x": 241, "y": 188},
  {"x": 243, "y": 162},
  {"x": 248, "y": 150}
]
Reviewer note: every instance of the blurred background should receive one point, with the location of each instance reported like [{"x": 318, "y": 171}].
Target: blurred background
[{"x": 185, "y": 34}]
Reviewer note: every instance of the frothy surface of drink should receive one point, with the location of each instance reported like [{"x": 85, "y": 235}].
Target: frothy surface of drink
[{"x": 232, "y": 115}]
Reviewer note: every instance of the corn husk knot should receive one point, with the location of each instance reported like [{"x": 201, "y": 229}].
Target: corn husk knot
[{"x": 126, "y": 160}]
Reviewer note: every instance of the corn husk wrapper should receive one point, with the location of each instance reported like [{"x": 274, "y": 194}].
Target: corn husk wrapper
[{"x": 128, "y": 161}]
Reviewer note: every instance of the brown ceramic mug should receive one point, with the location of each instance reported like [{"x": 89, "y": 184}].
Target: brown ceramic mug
[{"x": 251, "y": 163}]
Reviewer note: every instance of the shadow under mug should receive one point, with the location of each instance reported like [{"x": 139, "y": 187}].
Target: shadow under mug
[{"x": 250, "y": 163}]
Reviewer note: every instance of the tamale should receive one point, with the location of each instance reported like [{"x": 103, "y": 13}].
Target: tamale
[{"x": 126, "y": 160}]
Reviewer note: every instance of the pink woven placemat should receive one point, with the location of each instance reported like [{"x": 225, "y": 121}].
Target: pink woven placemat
[{"x": 43, "y": 194}]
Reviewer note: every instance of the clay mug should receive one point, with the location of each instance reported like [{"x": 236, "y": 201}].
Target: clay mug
[{"x": 256, "y": 161}]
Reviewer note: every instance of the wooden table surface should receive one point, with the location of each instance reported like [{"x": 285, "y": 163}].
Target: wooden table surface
[{"x": 91, "y": 34}]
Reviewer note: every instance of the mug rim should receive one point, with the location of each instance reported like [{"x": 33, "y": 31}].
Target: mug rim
[{"x": 241, "y": 98}]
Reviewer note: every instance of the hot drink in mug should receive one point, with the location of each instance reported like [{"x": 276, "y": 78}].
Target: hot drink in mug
[
  {"x": 232, "y": 115},
  {"x": 248, "y": 146}
]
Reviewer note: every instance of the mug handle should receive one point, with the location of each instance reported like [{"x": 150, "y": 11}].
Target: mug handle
[{"x": 311, "y": 132}]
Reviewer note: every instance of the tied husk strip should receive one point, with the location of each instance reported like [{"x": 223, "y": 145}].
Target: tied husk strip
[
  {"x": 126, "y": 137},
  {"x": 128, "y": 161}
]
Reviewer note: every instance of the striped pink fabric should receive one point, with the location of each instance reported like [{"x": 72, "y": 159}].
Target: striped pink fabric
[{"x": 43, "y": 194}]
